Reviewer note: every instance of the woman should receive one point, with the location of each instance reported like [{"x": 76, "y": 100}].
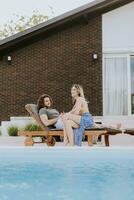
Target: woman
[
  {"x": 49, "y": 115},
  {"x": 77, "y": 119}
]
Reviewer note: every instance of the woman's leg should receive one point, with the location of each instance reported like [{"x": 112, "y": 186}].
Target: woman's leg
[
  {"x": 74, "y": 118},
  {"x": 68, "y": 131},
  {"x": 65, "y": 139}
]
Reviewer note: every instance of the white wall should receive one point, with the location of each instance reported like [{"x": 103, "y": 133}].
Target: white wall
[
  {"x": 20, "y": 122},
  {"x": 118, "y": 29}
]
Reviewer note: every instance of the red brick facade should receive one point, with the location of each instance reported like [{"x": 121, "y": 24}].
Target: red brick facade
[{"x": 51, "y": 65}]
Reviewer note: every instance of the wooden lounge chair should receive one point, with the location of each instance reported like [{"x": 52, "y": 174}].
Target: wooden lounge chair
[
  {"x": 129, "y": 131},
  {"x": 46, "y": 134},
  {"x": 111, "y": 131}
]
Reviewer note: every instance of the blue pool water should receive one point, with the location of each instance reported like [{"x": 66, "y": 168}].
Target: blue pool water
[{"x": 62, "y": 174}]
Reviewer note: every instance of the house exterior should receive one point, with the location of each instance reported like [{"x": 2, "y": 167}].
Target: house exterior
[
  {"x": 118, "y": 61},
  {"x": 92, "y": 45}
]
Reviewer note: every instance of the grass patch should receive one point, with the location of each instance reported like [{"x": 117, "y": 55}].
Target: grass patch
[
  {"x": 32, "y": 127},
  {"x": 13, "y": 131}
]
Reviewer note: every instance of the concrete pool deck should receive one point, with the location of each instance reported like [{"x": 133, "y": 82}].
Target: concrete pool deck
[
  {"x": 120, "y": 140},
  {"x": 19, "y": 141}
]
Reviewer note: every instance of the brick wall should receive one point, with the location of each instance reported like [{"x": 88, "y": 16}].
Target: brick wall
[{"x": 51, "y": 66}]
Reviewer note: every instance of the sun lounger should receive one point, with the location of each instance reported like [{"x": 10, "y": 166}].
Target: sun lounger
[
  {"x": 129, "y": 131},
  {"x": 47, "y": 135},
  {"x": 110, "y": 131}
]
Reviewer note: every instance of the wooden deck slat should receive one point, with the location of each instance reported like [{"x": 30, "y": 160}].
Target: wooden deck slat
[{"x": 56, "y": 133}]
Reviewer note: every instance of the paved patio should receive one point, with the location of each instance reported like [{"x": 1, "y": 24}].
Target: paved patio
[{"x": 117, "y": 140}]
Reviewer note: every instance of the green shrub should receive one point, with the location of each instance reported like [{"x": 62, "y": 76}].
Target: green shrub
[
  {"x": 0, "y": 132},
  {"x": 13, "y": 131},
  {"x": 32, "y": 127}
]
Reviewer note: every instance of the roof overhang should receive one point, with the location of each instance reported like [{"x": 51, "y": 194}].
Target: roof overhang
[{"x": 85, "y": 12}]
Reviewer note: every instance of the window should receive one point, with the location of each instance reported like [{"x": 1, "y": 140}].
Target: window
[{"x": 118, "y": 85}]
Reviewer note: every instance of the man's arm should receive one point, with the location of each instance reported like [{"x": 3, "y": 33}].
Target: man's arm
[{"x": 47, "y": 121}]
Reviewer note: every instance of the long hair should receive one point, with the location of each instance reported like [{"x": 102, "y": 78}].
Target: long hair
[
  {"x": 40, "y": 101},
  {"x": 80, "y": 91}
]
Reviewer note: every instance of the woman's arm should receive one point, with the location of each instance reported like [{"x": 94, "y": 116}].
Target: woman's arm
[
  {"x": 47, "y": 121},
  {"x": 77, "y": 107}
]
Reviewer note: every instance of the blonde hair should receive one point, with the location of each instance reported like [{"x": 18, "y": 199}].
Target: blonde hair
[{"x": 80, "y": 91}]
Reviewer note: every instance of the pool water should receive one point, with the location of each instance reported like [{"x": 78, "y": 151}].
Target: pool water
[{"x": 66, "y": 174}]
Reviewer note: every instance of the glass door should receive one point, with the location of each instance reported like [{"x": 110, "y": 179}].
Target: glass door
[
  {"x": 115, "y": 73},
  {"x": 132, "y": 82}
]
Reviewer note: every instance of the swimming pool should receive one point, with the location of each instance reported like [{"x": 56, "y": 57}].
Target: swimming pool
[{"x": 66, "y": 174}]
